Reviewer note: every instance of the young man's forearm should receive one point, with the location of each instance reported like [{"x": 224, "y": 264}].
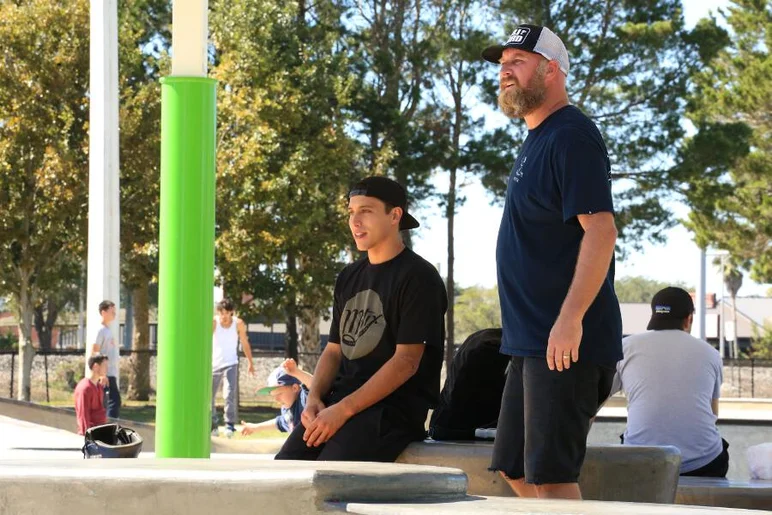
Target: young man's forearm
[
  {"x": 595, "y": 254},
  {"x": 393, "y": 374},
  {"x": 325, "y": 373}
]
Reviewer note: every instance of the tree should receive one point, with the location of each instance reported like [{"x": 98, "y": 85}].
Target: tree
[
  {"x": 631, "y": 62},
  {"x": 392, "y": 53},
  {"x": 733, "y": 280},
  {"x": 456, "y": 134},
  {"x": 761, "y": 345},
  {"x": 142, "y": 43},
  {"x": 43, "y": 162},
  {"x": 59, "y": 289},
  {"x": 477, "y": 308},
  {"x": 285, "y": 161},
  {"x": 725, "y": 171},
  {"x": 637, "y": 289}
]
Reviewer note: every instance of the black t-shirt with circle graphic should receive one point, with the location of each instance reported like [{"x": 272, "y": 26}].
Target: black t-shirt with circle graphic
[{"x": 377, "y": 307}]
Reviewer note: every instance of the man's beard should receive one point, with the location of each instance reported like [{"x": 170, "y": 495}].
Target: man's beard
[{"x": 517, "y": 102}]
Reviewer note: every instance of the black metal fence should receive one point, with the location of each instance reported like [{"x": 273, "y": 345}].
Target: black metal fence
[
  {"x": 55, "y": 372},
  {"x": 67, "y": 339}
]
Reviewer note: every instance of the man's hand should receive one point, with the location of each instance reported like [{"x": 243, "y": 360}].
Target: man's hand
[
  {"x": 313, "y": 407},
  {"x": 290, "y": 366},
  {"x": 251, "y": 368},
  {"x": 563, "y": 345},
  {"x": 246, "y": 430},
  {"x": 325, "y": 425}
]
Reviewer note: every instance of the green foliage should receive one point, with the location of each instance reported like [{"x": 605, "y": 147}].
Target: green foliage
[
  {"x": 725, "y": 170},
  {"x": 642, "y": 289},
  {"x": 43, "y": 158},
  {"x": 9, "y": 341},
  {"x": 284, "y": 159},
  {"x": 761, "y": 345},
  {"x": 66, "y": 375},
  {"x": 476, "y": 308},
  {"x": 43, "y": 139},
  {"x": 142, "y": 42},
  {"x": 393, "y": 47},
  {"x": 630, "y": 67}
]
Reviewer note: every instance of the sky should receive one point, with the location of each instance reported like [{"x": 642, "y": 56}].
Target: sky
[{"x": 477, "y": 223}]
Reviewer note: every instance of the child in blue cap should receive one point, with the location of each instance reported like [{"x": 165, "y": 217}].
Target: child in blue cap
[{"x": 288, "y": 385}]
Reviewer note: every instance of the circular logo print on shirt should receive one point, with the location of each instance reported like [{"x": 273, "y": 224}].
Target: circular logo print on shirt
[{"x": 361, "y": 324}]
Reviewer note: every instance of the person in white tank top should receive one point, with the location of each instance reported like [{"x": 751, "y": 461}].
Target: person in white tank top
[{"x": 227, "y": 332}]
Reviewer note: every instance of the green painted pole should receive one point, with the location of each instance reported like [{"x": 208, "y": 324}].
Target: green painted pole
[{"x": 186, "y": 275}]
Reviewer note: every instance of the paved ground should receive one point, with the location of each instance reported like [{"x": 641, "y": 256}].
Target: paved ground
[{"x": 25, "y": 440}]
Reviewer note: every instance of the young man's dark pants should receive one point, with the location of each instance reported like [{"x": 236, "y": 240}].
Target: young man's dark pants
[
  {"x": 545, "y": 417},
  {"x": 112, "y": 398},
  {"x": 716, "y": 468},
  {"x": 375, "y": 434}
]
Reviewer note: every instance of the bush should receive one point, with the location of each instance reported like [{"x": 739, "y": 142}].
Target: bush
[
  {"x": 9, "y": 342},
  {"x": 761, "y": 343},
  {"x": 67, "y": 374}
]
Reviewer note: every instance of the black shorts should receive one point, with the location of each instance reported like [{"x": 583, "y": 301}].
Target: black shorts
[
  {"x": 716, "y": 468},
  {"x": 375, "y": 434},
  {"x": 545, "y": 417}
]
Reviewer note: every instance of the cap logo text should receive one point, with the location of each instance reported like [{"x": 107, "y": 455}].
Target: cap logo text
[
  {"x": 662, "y": 310},
  {"x": 518, "y": 36}
]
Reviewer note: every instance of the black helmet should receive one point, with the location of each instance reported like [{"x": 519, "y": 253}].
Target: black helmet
[{"x": 112, "y": 441}]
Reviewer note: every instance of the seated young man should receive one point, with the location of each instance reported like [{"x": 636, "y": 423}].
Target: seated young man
[
  {"x": 89, "y": 395},
  {"x": 380, "y": 371},
  {"x": 673, "y": 382},
  {"x": 288, "y": 385}
]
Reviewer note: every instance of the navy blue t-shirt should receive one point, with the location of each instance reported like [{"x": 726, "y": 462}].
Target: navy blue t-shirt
[
  {"x": 290, "y": 417},
  {"x": 562, "y": 171}
]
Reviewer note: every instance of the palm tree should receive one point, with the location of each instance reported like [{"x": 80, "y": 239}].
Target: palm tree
[{"x": 733, "y": 280}]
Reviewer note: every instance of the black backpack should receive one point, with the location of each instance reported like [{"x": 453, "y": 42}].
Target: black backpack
[{"x": 471, "y": 397}]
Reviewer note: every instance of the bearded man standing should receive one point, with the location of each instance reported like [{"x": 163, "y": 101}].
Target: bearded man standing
[{"x": 560, "y": 316}]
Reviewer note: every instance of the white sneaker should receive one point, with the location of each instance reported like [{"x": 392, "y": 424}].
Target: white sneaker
[
  {"x": 229, "y": 433},
  {"x": 216, "y": 432}
]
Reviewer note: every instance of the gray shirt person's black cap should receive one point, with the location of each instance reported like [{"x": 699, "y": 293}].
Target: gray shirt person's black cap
[{"x": 669, "y": 308}]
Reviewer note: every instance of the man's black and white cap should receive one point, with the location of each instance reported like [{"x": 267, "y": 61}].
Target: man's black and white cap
[{"x": 532, "y": 38}]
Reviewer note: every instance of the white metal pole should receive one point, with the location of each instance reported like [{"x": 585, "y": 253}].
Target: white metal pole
[
  {"x": 189, "y": 41},
  {"x": 103, "y": 208},
  {"x": 699, "y": 300},
  {"x": 721, "y": 339}
]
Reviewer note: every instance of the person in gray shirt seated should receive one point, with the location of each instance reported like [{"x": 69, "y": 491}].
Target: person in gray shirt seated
[{"x": 673, "y": 382}]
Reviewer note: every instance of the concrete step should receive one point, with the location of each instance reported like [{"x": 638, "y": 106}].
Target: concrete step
[
  {"x": 609, "y": 473},
  {"x": 193, "y": 487},
  {"x": 711, "y": 491},
  {"x": 501, "y": 506}
]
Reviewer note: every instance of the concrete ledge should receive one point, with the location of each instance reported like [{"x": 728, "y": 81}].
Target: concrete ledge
[
  {"x": 706, "y": 491},
  {"x": 499, "y": 506},
  {"x": 192, "y": 487},
  {"x": 610, "y": 472}
]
